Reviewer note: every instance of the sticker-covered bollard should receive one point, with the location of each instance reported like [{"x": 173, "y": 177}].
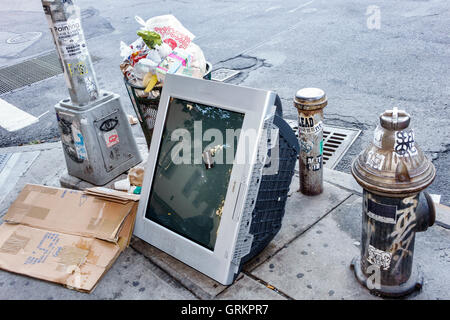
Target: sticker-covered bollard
[
  {"x": 310, "y": 103},
  {"x": 95, "y": 133},
  {"x": 392, "y": 171}
]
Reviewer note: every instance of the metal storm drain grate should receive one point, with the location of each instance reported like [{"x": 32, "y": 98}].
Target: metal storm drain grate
[
  {"x": 4, "y": 159},
  {"x": 30, "y": 71},
  {"x": 223, "y": 74},
  {"x": 336, "y": 142}
]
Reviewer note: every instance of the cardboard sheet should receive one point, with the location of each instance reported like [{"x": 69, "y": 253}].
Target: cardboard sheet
[
  {"x": 68, "y": 211},
  {"x": 64, "y": 236}
]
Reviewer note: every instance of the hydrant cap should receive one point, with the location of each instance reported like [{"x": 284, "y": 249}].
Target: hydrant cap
[
  {"x": 393, "y": 164},
  {"x": 395, "y": 119},
  {"x": 310, "y": 99}
]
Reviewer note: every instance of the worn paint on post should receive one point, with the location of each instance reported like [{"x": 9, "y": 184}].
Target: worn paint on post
[
  {"x": 393, "y": 171},
  {"x": 310, "y": 103},
  {"x": 388, "y": 236}
]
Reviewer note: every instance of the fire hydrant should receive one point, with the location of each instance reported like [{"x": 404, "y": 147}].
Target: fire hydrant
[{"x": 392, "y": 171}]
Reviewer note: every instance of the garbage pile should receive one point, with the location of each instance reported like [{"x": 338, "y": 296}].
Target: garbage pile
[{"x": 164, "y": 46}]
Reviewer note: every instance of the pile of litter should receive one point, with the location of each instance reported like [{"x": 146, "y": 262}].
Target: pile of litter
[{"x": 164, "y": 46}]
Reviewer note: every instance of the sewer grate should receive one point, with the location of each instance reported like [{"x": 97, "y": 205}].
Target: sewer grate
[
  {"x": 3, "y": 160},
  {"x": 223, "y": 74},
  {"x": 336, "y": 142},
  {"x": 30, "y": 71}
]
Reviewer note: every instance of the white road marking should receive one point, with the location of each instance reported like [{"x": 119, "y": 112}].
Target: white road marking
[
  {"x": 436, "y": 198},
  {"x": 15, "y": 168},
  {"x": 272, "y": 8},
  {"x": 39, "y": 117},
  {"x": 262, "y": 43},
  {"x": 301, "y": 6},
  {"x": 13, "y": 119}
]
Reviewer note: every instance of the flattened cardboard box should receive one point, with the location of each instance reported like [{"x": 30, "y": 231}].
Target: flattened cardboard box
[{"x": 64, "y": 236}]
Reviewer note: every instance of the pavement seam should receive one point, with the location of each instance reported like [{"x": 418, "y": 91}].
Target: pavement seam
[
  {"x": 176, "y": 281},
  {"x": 267, "y": 285},
  {"x": 345, "y": 188},
  {"x": 249, "y": 273},
  {"x": 301, "y": 233},
  {"x": 31, "y": 148},
  {"x": 442, "y": 225}
]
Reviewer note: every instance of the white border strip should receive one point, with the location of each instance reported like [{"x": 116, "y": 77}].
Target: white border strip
[{"x": 13, "y": 119}]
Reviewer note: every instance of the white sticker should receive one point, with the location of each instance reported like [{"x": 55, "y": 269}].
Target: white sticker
[
  {"x": 379, "y": 258},
  {"x": 405, "y": 143},
  {"x": 111, "y": 138},
  {"x": 375, "y": 160},
  {"x": 80, "y": 147},
  {"x": 377, "y": 137},
  {"x": 312, "y": 128},
  {"x": 70, "y": 38}
]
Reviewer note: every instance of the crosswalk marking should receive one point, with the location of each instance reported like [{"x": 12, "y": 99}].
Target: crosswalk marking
[{"x": 13, "y": 119}]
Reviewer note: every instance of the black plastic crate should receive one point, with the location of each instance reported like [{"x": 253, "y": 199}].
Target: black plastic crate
[{"x": 273, "y": 191}]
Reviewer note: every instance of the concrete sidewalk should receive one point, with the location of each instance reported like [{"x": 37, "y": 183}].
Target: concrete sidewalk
[{"x": 308, "y": 259}]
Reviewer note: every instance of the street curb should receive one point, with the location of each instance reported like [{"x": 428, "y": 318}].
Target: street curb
[
  {"x": 31, "y": 147},
  {"x": 46, "y": 146}
]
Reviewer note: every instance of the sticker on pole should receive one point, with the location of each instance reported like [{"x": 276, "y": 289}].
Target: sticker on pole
[
  {"x": 80, "y": 147},
  {"x": 111, "y": 138},
  {"x": 70, "y": 38},
  {"x": 380, "y": 258}
]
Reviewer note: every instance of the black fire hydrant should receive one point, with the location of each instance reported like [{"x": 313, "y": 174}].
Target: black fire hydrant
[{"x": 392, "y": 171}]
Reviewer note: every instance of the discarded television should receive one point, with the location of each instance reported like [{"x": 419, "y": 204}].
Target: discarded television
[{"x": 220, "y": 164}]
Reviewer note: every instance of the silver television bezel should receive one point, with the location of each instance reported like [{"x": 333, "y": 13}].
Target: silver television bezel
[{"x": 256, "y": 105}]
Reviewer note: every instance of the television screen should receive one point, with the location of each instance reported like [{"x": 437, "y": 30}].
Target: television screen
[{"x": 193, "y": 169}]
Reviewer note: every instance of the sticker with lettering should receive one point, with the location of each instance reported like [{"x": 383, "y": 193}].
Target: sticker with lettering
[
  {"x": 379, "y": 258},
  {"x": 375, "y": 160},
  {"x": 404, "y": 143},
  {"x": 314, "y": 163},
  {"x": 306, "y": 125},
  {"x": 70, "y": 38},
  {"x": 111, "y": 138},
  {"x": 79, "y": 144}
]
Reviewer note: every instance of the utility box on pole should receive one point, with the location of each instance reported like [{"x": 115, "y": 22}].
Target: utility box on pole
[{"x": 96, "y": 136}]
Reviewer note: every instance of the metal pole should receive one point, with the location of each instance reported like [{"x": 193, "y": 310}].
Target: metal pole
[
  {"x": 310, "y": 103},
  {"x": 64, "y": 20}
]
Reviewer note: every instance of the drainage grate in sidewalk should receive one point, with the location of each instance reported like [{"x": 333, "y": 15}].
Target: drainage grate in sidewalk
[
  {"x": 224, "y": 74},
  {"x": 336, "y": 142},
  {"x": 31, "y": 71},
  {"x": 3, "y": 160}
]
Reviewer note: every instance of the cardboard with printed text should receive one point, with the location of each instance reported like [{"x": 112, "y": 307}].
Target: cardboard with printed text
[{"x": 65, "y": 236}]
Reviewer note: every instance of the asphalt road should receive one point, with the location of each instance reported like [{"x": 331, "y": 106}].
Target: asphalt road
[{"x": 364, "y": 64}]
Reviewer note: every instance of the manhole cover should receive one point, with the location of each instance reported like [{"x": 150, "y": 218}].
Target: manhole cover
[
  {"x": 3, "y": 160},
  {"x": 336, "y": 142},
  {"x": 223, "y": 74},
  {"x": 24, "y": 37}
]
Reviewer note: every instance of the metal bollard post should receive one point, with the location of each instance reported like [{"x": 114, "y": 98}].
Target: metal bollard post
[
  {"x": 96, "y": 137},
  {"x": 392, "y": 171},
  {"x": 310, "y": 103},
  {"x": 64, "y": 20}
]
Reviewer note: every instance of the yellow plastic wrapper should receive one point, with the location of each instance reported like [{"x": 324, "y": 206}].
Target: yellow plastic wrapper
[{"x": 151, "y": 83}]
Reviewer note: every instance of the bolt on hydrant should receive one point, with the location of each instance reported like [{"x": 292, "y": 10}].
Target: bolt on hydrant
[
  {"x": 310, "y": 103},
  {"x": 393, "y": 171}
]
